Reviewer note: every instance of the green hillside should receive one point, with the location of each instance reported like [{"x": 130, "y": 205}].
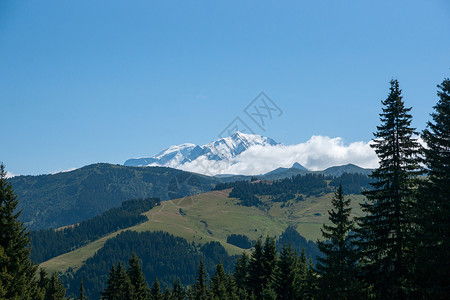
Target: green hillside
[
  {"x": 213, "y": 216},
  {"x": 51, "y": 201}
]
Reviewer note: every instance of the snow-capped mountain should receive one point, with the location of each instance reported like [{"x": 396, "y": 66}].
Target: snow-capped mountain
[{"x": 223, "y": 149}]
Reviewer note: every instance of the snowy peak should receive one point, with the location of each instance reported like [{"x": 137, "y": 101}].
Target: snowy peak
[{"x": 218, "y": 150}]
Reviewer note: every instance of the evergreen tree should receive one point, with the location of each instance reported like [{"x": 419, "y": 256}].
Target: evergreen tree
[
  {"x": 167, "y": 295},
  {"x": 219, "y": 283},
  {"x": 269, "y": 261},
  {"x": 286, "y": 279},
  {"x": 55, "y": 289},
  {"x": 338, "y": 267},
  {"x": 310, "y": 289},
  {"x": 178, "y": 292},
  {"x": 118, "y": 285},
  {"x": 17, "y": 272},
  {"x": 433, "y": 266},
  {"x": 200, "y": 287},
  {"x": 155, "y": 292},
  {"x": 82, "y": 296},
  {"x": 385, "y": 232},
  {"x": 256, "y": 271},
  {"x": 137, "y": 279},
  {"x": 232, "y": 291},
  {"x": 241, "y": 271}
]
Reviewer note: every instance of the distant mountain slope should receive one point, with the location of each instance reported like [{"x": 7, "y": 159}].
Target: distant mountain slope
[
  {"x": 280, "y": 173},
  {"x": 221, "y": 149},
  {"x": 349, "y": 168},
  {"x": 50, "y": 201}
]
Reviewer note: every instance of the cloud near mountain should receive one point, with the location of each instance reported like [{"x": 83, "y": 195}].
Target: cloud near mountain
[{"x": 318, "y": 153}]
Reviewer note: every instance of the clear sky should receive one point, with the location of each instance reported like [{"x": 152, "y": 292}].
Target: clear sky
[{"x": 103, "y": 81}]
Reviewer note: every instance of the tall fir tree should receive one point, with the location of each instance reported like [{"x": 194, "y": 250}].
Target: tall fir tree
[
  {"x": 118, "y": 285},
  {"x": 386, "y": 231},
  {"x": 55, "y": 289},
  {"x": 17, "y": 271},
  {"x": 201, "y": 285},
  {"x": 433, "y": 264},
  {"x": 137, "y": 279},
  {"x": 219, "y": 283},
  {"x": 269, "y": 261},
  {"x": 178, "y": 292},
  {"x": 286, "y": 279},
  {"x": 155, "y": 292},
  {"x": 256, "y": 271},
  {"x": 241, "y": 275},
  {"x": 337, "y": 269}
]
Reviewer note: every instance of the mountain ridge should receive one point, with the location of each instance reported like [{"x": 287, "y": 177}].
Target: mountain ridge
[{"x": 218, "y": 150}]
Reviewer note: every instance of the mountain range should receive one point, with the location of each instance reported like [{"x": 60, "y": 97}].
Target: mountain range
[{"x": 223, "y": 149}]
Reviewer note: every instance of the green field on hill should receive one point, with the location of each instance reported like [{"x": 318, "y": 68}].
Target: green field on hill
[{"x": 213, "y": 216}]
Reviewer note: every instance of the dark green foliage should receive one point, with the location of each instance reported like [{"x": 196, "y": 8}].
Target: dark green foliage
[
  {"x": 291, "y": 237},
  {"x": 50, "y": 288},
  {"x": 256, "y": 271},
  {"x": 261, "y": 267},
  {"x": 162, "y": 255},
  {"x": 118, "y": 286},
  {"x": 239, "y": 240},
  {"x": 54, "y": 289},
  {"x": 352, "y": 183},
  {"x": 155, "y": 292},
  {"x": 51, "y": 201},
  {"x": 200, "y": 287},
  {"x": 269, "y": 260},
  {"x": 68, "y": 239},
  {"x": 241, "y": 275},
  {"x": 385, "y": 233},
  {"x": 338, "y": 267},
  {"x": 137, "y": 279},
  {"x": 81, "y": 296},
  {"x": 16, "y": 270},
  {"x": 219, "y": 283},
  {"x": 287, "y": 279},
  {"x": 280, "y": 190},
  {"x": 178, "y": 291},
  {"x": 167, "y": 295},
  {"x": 433, "y": 265}
]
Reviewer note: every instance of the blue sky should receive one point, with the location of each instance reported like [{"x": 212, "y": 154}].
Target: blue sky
[{"x": 103, "y": 81}]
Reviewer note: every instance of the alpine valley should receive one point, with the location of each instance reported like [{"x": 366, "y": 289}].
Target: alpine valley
[{"x": 173, "y": 218}]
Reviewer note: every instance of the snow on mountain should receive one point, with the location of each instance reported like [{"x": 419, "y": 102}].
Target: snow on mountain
[
  {"x": 223, "y": 149},
  {"x": 252, "y": 154}
]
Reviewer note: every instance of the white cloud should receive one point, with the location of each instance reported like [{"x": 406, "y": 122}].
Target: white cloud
[
  {"x": 318, "y": 153},
  {"x": 10, "y": 175},
  {"x": 63, "y": 171}
]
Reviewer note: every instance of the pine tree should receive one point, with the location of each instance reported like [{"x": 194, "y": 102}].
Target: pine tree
[
  {"x": 155, "y": 292},
  {"x": 55, "y": 289},
  {"x": 269, "y": 261},
  {"x": 137, "y": 279},
  {"x": 256, "y": 271},
  {"x": 178, "y": 292},
  {"x": 310, "y": 289},
  {"x": 433, "y": 265},
  {"x": 81, "y": 289},
  {"x": 17, "y": 272},
  {"x": 167, "y": 295},
  {"x": 200, "y": 286},
  {"x": 286, "y": 279},
  {"x": 338, "y": 268},
  {"x": 232, "y": 292},
  {"x": 219, "y": 283},
  {"x": 241, "y": 275},
  {"x": 385, "y": 232},
  {"x": 118, "y": 285}
]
